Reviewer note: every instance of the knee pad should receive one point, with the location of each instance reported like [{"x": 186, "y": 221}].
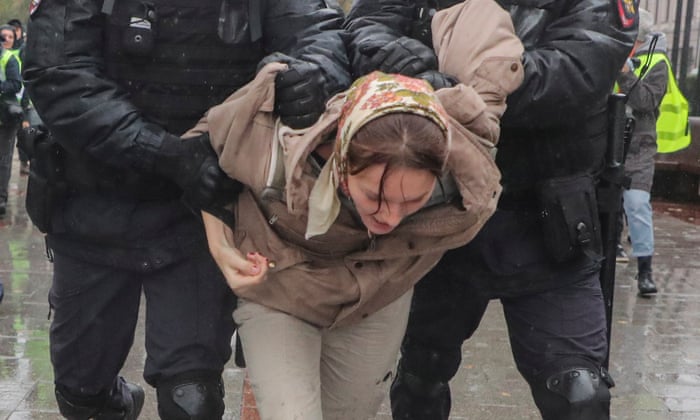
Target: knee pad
[
  {"x": 576, "y": 392},
  {"x": 191, "y": 396},
  {"x": 123, "y": 402}
]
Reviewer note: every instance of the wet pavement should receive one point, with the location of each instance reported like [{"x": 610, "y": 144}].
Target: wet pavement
[{"x": 655, "y": 357}]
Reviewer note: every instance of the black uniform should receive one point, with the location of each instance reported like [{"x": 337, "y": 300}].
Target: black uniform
[
  {"x": 540, "y": 252},
  {"x": 116, "y": 83}
]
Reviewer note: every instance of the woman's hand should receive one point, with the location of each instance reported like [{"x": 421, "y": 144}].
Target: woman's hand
[{"x": 240, "y": 271}]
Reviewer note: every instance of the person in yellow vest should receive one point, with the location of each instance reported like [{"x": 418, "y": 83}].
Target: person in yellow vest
[
  {"x": 10, "y": 86},
  {"x": 13, "y": 33},
  {"x": 644, "y": 80}
]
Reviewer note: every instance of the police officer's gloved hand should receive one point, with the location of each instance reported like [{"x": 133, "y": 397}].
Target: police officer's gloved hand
[
  {"x": 362, "y": 61},
  {"x": 405, "y": 56},
  {"x": 194, "y": 166},
  {"x": 300, "y": 91},
  {"x": 438, "y": 80}
]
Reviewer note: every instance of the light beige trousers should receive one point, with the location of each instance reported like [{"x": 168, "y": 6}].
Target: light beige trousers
[{"x": 302, "y": 372}]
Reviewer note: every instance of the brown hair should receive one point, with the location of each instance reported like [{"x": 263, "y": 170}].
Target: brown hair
[{"x": 399, "y": 140}]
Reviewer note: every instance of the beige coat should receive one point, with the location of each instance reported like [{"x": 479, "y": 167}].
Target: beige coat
[
  {"x": 475, "y": 42},
  {"x": 342, "y": 276}
]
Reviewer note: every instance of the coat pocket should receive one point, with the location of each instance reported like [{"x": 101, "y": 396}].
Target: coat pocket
[
  {"x": 254, "y": 233},
  {"x": 569, "y": 214}
]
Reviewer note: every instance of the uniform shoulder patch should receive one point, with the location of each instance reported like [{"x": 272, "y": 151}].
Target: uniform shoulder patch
[
  {"x": 33, "y": 6},
  {"x": 627, "y": 11}
]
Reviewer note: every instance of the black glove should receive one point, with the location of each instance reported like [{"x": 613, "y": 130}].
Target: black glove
[
  {"x": 404, "y": 55},
  {"x": 437, "y": 79},
  {"x": 300, "y": 91},
  {"x": 193, "y": 165},
  {"x": 366, "y": 48}
]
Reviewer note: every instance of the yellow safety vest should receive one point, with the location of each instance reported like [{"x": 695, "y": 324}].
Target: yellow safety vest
[
  {"x": 16, "y": 54},
  {"x": 672, "y": 126},
  {"x": 4, "y": 58}
]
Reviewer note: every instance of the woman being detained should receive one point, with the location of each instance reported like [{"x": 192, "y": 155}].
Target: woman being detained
[{"x": 335, "y": 225}]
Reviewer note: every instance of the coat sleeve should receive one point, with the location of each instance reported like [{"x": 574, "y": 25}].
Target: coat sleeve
[
  {"x": 648, "y": 93},
  {"x": 64, "y": 76},
  {"x": 311, "y": 31},
  {"x": 472, "y": 111},
  {"x": 488, "y": 67},
  {"x": 572, "y": 65}
]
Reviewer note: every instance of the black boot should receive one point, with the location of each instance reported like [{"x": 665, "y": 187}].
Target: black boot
[
  {"x": 645, "y": 283},
  {"x": 124, "y": 402},
  {"x": 412, "y": 399}
]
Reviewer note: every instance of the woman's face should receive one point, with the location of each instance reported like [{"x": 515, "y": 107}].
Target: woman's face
[
  {"x": 405, "y": 191},
  {"x": 9, "y": 36}
]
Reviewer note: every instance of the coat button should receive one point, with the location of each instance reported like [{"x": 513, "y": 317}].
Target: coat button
[
  {"x": 365, "y": 315},
  {"x": 411, "y": 245},
  {"x": 146, "y": 265}
]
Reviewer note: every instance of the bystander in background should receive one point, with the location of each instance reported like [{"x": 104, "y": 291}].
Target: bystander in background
[
  {"x": 648, "y": 81},
  {"x": 30, "y": 118},
  {"x": 10, "y": 113}
]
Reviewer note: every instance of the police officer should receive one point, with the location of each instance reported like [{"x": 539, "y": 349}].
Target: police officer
[
  {"x": 119, "y": 193},
  {"x": 540, "y": 253}
]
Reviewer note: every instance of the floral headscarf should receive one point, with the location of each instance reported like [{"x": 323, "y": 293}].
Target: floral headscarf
[{"x": 370, "y": 97}]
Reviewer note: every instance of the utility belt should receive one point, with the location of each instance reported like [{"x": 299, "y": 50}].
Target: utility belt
[
  {"x": 55, "y": 175},
  {"x": 568, "y": 211}
]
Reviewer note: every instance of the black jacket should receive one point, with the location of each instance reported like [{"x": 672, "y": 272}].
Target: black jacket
[
  {"x": 110, "y": 82},
  {"x": 555, "y": 123}
]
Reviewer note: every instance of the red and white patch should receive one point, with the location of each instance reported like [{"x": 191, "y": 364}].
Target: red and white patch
[
  {"x": 627, "y": 11},
  {"x": 33, "y": 6}
]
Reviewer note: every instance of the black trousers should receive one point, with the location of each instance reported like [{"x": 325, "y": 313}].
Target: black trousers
[
  {"x": 555, "y": 313},
  {"x": 95, "y": 307}
]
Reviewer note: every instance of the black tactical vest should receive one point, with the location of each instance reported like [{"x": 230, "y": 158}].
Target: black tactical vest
[{"x": 177, "y": 58}]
